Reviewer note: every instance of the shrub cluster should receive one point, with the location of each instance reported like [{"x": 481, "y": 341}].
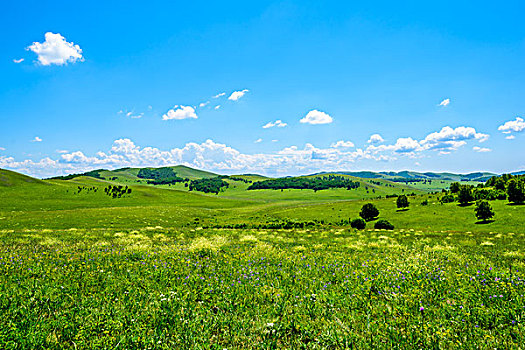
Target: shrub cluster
[{"x": 117, "y": 191}]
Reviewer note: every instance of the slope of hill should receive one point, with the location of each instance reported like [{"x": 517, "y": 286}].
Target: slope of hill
[
  {"x": 404, "y": 176},
  {"x": 127, "y": 175},
  {"x": 10, "y": 178}
]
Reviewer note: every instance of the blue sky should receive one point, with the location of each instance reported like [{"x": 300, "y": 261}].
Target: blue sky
[{"x": 129, "y": 84}]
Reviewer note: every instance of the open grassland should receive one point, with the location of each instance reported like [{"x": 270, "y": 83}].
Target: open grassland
[
  {"x": 238, "y": 289},
  {"x": 163, "y": 268}
]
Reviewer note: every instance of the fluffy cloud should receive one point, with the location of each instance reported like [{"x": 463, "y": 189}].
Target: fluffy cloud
[
  {"x": 208, "y": 155},
  {"x": 516, "y": 125},
  {"x": 214, "y": 156},
  {"x": 445, "y": 102},
  {"x": 316, "y": 117},
  {"x": 56, "y": 50},
  {"x": 375, "y": 138},
  {"x": 180, "y": 112},
  {"x": 278, "y": 123},
  {"x": 510, "y": 137},
  {"x": 237, "y": 95},
  {"x": 36, "y": 139},
  {"x": 342, "y": 144},
  {"x": 481, "y": 149},
  {"x": 448, "y": 139},
  {"x": 444, "y": 141}
]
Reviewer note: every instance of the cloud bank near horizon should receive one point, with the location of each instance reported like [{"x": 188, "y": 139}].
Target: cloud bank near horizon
[{"x": 215, "y": 156}]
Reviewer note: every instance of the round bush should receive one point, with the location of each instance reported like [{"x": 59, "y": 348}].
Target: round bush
[
  {"x": 383, "y": 224},
  {"x": 369, "y": 211},
  {"x": 358, "y": 224}
]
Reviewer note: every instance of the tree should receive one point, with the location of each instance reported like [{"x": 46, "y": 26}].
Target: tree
[
  {"x": 402, "y": 202},
  {"x": 499, "y": 183},
  {"x": 358, "y": 224},
  {"x": 448, "y": 198},
  {"x": 515, "y": 191},
  {"x": 369, "y": 212},
  {"x": 483, "y": 210},
  {"x": 383, "y": 224},
  {"x": 455, "y": 187},
  {"x": 465, "y": 195}
]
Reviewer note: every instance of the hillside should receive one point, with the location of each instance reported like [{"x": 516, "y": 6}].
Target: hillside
[
  {"x": 10, "y": 178},
  {"x": 404, "y": 176}
]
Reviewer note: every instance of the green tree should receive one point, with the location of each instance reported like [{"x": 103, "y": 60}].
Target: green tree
[
  {"x": 465, "y": 195},
  {"x": 515, "y": 191},
  {"x": 455, "y": 187},
  {"x": 402, "y": 201},
  {"x": 358, "y": 224},
  {"x": 499, "y": 183},
  {"x": 383, "y": 224},
  {"x": 483, "y": 210},
  {"x": 369, "y": 212}
]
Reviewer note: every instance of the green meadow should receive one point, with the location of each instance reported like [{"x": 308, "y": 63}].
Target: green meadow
[{"x": 162, "y": 267}]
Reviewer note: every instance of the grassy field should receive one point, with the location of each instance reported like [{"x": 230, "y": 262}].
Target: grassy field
[
  {"x": 239, "y": 289},
  {"x": 159, "y": 269}
]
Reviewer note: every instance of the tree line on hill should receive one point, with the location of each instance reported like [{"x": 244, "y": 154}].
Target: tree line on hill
[
  {"x": 502, "y": 187},
  {"x": 160, "y": 176},
  {"x": 213, "y": 185},
  {"x": 309, "y": 183}
]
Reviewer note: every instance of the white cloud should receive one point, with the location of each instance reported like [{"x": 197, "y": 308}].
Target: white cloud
[
  {"x": 36, "y": 139},
  {"x": 18, "y": 61},
  {"x": 445, "y": 102},
  {"x": 180, "y": 112},
  {"x": 217, "y": 107},
  {"x": 62, "y": 151},
  {"x": 204, "y": 104},
  {"x": 406, "y": 145},
  {"x": 236, "y": 95},
  {"x": 278, "y": 123},
  {"x": 375, "y": 138},
  {"x": 258, "y": 141},
  {"x": 516, "y": 125},
  {"x": 131, "y": 114},
  {"x": 275, "y": 140},
  {"x": 2, "y": 149},
  {"x": 342, "y": 144},
  {"x": 56, "y": 50},
  {"x": 451, "y": 139},
  {"x": 510, "y": 137},
  {"x": 481, "y": 149},
  {"x": 218, "y": 157},
  {"x": 219, "y": 95},
  {"x": 316, "y": 117}
]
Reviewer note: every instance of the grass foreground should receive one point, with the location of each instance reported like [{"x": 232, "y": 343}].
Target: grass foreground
[{"x": 163, "y": 288}]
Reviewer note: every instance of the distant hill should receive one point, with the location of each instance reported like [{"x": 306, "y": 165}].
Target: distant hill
[
  {"x": 403, "y": 176},
  {"x": 10, "y": 178},
  {"x": 132, "y": 174}
]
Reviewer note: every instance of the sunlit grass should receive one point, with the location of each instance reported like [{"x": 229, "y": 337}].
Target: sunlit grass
[{"x": 338, "y": 288}]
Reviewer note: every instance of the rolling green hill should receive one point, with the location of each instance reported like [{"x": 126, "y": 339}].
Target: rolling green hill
[
  {"x": 83, "y": 202},
  {"x": 10, "y": 178},
  {"x": 403, "y": 176}
]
